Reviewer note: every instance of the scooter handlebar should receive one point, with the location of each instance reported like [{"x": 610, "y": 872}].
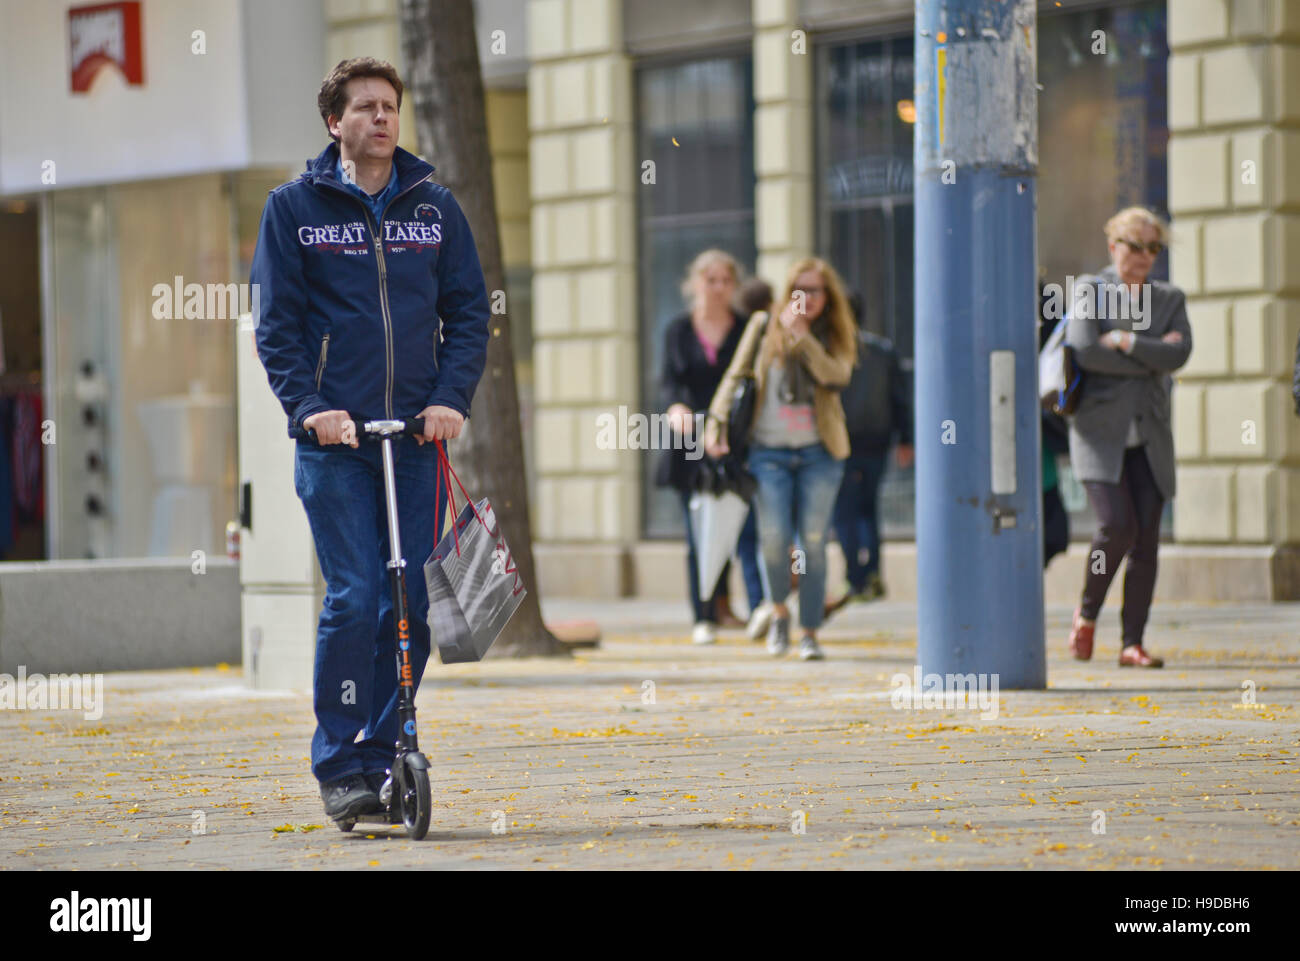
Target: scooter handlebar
[{"x": 374, "y": 429}]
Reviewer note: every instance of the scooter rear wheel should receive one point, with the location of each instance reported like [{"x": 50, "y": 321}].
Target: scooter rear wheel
[{"x": 416, "y": 801}]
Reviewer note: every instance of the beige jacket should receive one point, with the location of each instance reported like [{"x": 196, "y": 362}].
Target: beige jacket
[{"x": 831, "y": 373}]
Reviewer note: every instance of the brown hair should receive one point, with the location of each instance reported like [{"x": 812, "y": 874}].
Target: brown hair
[
  {"x": 843, "y": 329},
  {"x": 333, "y": 97},
  {"x": 754, "y": 295}
]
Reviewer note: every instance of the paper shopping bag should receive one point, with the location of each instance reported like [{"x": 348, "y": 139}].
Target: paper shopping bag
[{"x": 474, "y": 585}]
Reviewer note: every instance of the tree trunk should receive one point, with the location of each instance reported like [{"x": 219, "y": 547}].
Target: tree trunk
[{"x": 445, "y": 83}]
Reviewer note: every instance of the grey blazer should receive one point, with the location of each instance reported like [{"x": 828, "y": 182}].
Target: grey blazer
[{"x": 1125, "y": 388}]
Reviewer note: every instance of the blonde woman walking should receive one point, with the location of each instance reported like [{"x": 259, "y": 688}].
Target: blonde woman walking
[
  {"x": 800, "y": 360},
  {"x": 698, "y": 346},
  {"x": 1121, "y": 442}
]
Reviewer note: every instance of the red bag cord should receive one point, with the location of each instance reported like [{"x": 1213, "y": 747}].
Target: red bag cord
[
  {"x": 451, "y": 493},
  {"x": 443, "y": 459}
]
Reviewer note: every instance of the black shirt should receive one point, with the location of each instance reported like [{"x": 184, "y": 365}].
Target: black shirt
[{"x": 688, "y": 378}]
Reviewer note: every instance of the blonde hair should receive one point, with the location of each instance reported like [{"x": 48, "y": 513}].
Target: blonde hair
[
  {"x": 1117, "y": 227},
  {"x": 843, "y": 327},
  {"x": 702, "y": 262}
]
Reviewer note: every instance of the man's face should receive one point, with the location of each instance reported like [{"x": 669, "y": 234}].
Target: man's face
[{"x": 368, "y": 129}]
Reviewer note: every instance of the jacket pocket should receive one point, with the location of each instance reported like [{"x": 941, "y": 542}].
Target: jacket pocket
[{"x": 320, "y": 364}]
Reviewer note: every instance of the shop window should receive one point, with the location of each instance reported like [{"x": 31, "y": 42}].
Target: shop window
[
  {"x": 1102, "y": 146},
  {"x": 695, "y": 122},
  {"x": 864, "y": 201}
]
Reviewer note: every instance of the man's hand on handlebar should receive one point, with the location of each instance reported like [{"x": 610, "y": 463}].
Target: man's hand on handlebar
[
  {"x": 333, "y": 427},
  {"x": 440, "y": 423}
]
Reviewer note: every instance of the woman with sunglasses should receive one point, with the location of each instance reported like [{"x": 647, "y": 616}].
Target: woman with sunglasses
[
  {"x": 800, "y": 360},
  {"x": 1129, "y": 333}
]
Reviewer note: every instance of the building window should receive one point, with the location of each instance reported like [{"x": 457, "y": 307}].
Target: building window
[
  {"x": 1102, "y": 144},
  {"x": 1102, "y": 139},
  {"x": 695, "y": 122},
  {"x": 864, "y": 202}
]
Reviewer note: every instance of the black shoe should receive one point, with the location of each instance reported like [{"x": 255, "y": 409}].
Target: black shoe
[
  {"x": 375, "y": 780},
  {"x": 349, "y": 797}
]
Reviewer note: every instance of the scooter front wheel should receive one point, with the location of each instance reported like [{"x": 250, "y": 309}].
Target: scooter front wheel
[{"x": 416, "y": 801}]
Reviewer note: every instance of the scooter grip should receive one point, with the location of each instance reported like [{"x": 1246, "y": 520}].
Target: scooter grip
[
  {"x": 414, "y": 426},
  {"x": 309, "y": 433}
]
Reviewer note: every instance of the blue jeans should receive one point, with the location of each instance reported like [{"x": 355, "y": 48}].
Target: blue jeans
[
  {"x": 856, "y": 523},
  {"x": 746, "y": 550},
  {"x": 796, "y": 492},
  {"x": 355, "y": 684}
]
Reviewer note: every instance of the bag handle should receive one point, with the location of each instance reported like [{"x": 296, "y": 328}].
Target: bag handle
[
  {"x": 444, "y": 463},
  {"x": 440, "y": 481},
  {"x": 445, "y": 474}
]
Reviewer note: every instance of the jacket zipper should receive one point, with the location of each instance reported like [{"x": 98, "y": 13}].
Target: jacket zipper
[
  {"x": 383, "y": 283},
  {"x": 320, "y": 364}
]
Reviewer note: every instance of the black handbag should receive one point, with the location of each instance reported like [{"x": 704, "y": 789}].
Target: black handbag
[
  {"x": 743, "y": 402},
  {"x": 1067, "y": 399}
]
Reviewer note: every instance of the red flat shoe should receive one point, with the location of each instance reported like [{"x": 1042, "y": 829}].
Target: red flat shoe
[
  {"x": 1081, "y": 635},
  {"x": 1134, "y": 656}
]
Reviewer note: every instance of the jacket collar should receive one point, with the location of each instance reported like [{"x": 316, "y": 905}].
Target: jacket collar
[{"x": 410, "y": 168}]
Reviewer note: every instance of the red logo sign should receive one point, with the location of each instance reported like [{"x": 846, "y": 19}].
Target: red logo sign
[{"x": 102, "y": 34}]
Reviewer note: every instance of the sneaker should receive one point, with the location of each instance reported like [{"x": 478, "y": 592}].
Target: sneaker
[
  {"x": 758, "y": 622},
  {"x": 778, "y": 636},
  {"x": 809, "y": 650},
  {"x": 349, "y": 797},
  {"x": 704, "y": 633},
  {"x": 874, "y": 590}
]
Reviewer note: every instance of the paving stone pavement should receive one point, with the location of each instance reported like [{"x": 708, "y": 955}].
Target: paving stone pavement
[{"x": 726, "y": 759}]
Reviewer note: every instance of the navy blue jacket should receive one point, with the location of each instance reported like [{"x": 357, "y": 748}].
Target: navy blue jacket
[
  {"x": 878, "y": 400},
  {"x": 348, "y": 315}
]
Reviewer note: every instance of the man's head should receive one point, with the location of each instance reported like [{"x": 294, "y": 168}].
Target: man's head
[{"x": 359, "y": 101}]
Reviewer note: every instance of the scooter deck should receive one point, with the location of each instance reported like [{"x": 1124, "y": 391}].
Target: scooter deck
[{"x": 382, "y": 818}]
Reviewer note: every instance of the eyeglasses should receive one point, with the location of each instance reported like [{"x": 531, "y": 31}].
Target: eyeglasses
[{"x": 1152, "y": 248}]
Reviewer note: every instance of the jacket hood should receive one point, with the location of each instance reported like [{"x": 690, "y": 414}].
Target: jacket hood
[{"x": 410, "y": 168}]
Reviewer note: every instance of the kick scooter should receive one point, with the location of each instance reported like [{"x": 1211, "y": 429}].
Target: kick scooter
[{"x": 405, "y": 792}]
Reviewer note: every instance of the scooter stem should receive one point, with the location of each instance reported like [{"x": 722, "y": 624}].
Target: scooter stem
[{"x": 390, "y": 499}]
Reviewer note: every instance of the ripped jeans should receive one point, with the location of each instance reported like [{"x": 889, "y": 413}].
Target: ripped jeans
[{"x": 797, "y": 488}]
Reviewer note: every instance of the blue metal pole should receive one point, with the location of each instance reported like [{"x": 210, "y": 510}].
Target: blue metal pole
[{"x": 978, "y": 469}]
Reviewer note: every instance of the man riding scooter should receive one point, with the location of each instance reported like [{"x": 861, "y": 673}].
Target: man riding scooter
[{"x": 372, "y": 303}]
